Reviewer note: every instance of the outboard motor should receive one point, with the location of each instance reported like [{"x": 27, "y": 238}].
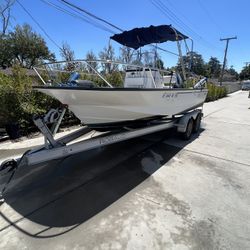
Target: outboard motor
[{"x": 200, "y": 84}]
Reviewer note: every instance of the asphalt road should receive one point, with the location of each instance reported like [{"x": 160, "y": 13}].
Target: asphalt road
[{"x": 153, "y": 192}]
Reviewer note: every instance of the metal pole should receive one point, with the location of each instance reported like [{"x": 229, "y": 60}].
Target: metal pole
[
  {"x": 182, "y": 62},
  {"x": 192, "y": 52},
  {"x": 39, "y": 75},
  {"x": 180, "y": 54},
  {"x": 225, "y": 56},
  {"x": 155, "y": 56}
]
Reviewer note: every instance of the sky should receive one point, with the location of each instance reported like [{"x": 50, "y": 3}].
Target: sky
[{"x": 204, "y": 21}]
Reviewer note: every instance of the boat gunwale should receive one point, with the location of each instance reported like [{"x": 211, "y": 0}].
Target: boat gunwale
[{"x": 119, "y": 89}]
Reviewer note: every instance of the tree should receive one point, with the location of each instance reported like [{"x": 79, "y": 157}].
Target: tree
[
  {"x": 5, "y": 8},
  {"x": 152, "y": 58},
  {"x": 159, "y": 64},
  {"x": 108, "y": 54},
  {"x": 213, "y": 67},
  {"x": 6, "y": 53},
  {"x": 138, "y": 57},
  {"x": 193, "y": 62},
  {"x": 28, "y": 47},
  {"x": 126, "y": 54},
  {"x": 13, "y": 93},
  {"x": 233, "y": 72},
  {"x": 245, "y": 73},
  {"x": 156, "y": 59},
  {"x": 18, "y": 103},
  {"x": 68, "y": 55},
  {"x": 147, "y": 58},
  {"x": 90, "y": 56}
]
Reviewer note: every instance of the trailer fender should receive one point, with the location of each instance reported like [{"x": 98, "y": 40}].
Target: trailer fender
[{"x": 183, "y": 121}]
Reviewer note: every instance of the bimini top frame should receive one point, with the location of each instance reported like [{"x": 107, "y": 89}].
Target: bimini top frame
[{"x": 139, "y": 37}]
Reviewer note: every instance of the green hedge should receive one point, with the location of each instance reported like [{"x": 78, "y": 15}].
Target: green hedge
[
  {"x": 215, "y": 92},
  {"x": 18, "y": 102}
]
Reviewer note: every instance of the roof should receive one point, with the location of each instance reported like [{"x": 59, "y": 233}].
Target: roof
[
  {"x": 8, "y": 71},
  {"x": 139, "y": 37}
]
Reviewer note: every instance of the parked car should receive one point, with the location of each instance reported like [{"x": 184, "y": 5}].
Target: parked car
[{"x": 246, "y": 85}]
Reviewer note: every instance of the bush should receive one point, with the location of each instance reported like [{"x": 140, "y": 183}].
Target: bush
[
  {"x": 18, "y": 102},
  {"x": 13, "y": 94},
  {"x": 115, "y": 78},
  {"x": 215, "y": 92}
]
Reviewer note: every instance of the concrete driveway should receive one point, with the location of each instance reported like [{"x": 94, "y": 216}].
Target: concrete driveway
[{"x": 154, "y": 192}]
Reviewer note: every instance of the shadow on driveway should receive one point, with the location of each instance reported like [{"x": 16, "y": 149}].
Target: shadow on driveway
[{"x": 66, "y": 193}]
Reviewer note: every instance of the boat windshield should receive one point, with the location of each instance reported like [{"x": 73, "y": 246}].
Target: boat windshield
[{"x": 100, "y": 73}]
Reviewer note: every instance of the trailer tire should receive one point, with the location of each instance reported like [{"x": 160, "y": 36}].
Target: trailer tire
[
  {"x": 189, "y": 129},
  {"x": 197, "y": 123}
]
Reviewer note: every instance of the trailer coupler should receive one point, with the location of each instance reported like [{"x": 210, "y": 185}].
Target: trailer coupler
[{"x": 7, "y": 168}]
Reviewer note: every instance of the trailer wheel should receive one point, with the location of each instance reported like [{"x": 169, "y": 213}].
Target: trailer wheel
[
  {"x": 189, "y": 129},
  {"x": 197, "y": 123}
]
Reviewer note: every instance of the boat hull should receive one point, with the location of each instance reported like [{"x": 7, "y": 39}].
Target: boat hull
[{"x": 116, "y": 105}]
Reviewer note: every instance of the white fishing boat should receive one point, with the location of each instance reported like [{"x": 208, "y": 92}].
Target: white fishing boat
[
  {"x": 145, "y": 104},
  {"x": 144, "y": 95}
]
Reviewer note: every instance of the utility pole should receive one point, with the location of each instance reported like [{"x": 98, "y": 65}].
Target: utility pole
[{"x": 225, "y": 56}]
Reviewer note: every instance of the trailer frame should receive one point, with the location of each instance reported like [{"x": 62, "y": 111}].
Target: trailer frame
[{"x": 65, "y": 146}]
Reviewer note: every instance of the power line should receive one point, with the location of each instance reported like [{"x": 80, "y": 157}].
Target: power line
[
  {"x": 90, "y": 14},
  {"x": 80, "y": 16},
  {"x": 203, "y": 7},
  {"x": 44, "y": 31},
  {"x": 171, "y": 15},
  {"x": 170, "y": 52},
  {"x": 90, "y": 21},
  {"x": 175, "y": 19},
  {"x": 165, "y": 10},
  {"x": 71, "y": 6},
  {"x": 181, "y": 13}
]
